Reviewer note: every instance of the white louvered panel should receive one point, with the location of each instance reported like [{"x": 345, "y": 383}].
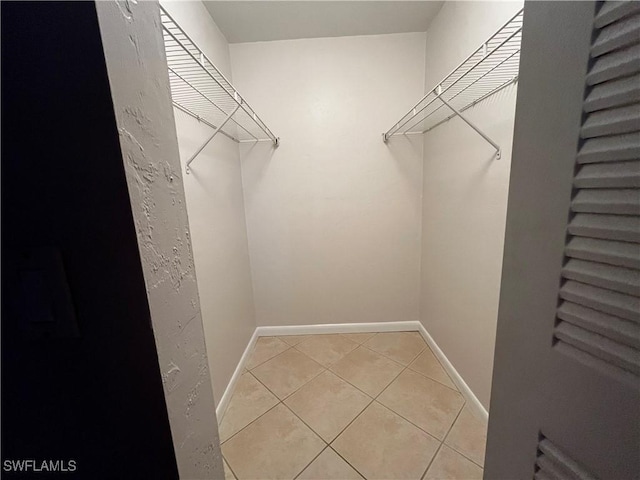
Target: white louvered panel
[
  {"x": 608, "y": 175},
  {"x": 599, "y": 311}
]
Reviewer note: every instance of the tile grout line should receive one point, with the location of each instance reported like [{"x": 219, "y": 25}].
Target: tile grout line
[
  {"x": 442, "y": 443},
  {"x": 327, "y": 444},
  {"x": 283, "y": 404},
  {"x": 229, "y": 466},
  {"x": 344, "y": 355},
  {"x": 344, "y": 459},
  {"x": 252, "y": 421},
  {"x": 312, "y": 460},
  {"x": 374, "y": 399},
  {"x": 426, "y": 347},
  {"x": 458, "y": 451},
  {"x": 289, "y": 347}
]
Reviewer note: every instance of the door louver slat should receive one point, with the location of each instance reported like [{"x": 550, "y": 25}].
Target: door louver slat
[
  {"x": 615, "y": 36},
  {"x": 610, "y": 121},
  {"x": 618, "y": 63},
  {"x": 610, "y": 227},
  {"x": 612, "y": 11},
  {"x": 598, "y": 316},
  {"x": 614, "y": 353},
  {"x": 607, "y": 301},
  {"x": 551, "y": 462},
  {"x": 613, "y": 327},
  {"x": 623, "y": 280},
  {"x": 614, "y": 93},
  {"x": 622, "y": 254},
  {"x": 608, "y": 175},
  {"x": 610, "y": 149},
  {"x": 616, "y": 201}
]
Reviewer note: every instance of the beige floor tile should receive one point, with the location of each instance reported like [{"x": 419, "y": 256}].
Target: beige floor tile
[
  {"x": 425, "y": 402},
  {"x": 469, "y": 436},
  {"x": 326, "y": 349},
  {"x": 399, "y": 346},
  {"x": 265, "y": 348},
  {"x": 250, "y": 400},
  {"x": 450, "y": 465},
  {"x": 382, "y": 445},
  {"x": 359, "y": 338},
  {"x": 287, "y": 372},
  {"x": 427, "y": 364},
  {"x": 327, "y": 404},
  {"x": 329, "y": 466},
  {"x": 416, "y": 335},
  {"x": 228, "y": 474},
  {"x": 293, "y": 340},
  {"x": 367, "y": 370},
  {"x": 277, "y": 445}
]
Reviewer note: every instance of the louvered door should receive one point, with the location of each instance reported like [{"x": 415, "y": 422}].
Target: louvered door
[{"x": 566, "y": 388}]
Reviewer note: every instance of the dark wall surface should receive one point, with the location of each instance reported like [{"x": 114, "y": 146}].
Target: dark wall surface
[{"x": 95, "y": 398}]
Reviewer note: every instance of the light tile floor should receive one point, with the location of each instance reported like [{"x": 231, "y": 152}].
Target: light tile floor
[{"x": 349, "y": 406}]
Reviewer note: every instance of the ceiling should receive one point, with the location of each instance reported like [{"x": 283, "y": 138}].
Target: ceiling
[{"x": 258, "y": 21}]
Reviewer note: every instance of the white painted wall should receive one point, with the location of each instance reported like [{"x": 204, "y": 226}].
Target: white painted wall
[
  {"x": 465, "y": 200},
  {"x": 333, "y": 214},
  {"x": 141, "y": 101},
  {"x": 216, "y": 214}
]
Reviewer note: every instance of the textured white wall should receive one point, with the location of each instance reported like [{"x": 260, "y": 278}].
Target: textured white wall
[
  {"x": 216, "y": 215},
  {"x": 333, "y": 214},
  {"x": 142, "y": 104},
  {"x": 465, "y": 200}
]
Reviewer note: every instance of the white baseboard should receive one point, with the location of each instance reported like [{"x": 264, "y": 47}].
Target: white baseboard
[
  {"x": 410, "y": 326},
  {"x": 464, "y": 389},
  {"x": 338, "y": 328},
  {"x": 231, "y": 386}
]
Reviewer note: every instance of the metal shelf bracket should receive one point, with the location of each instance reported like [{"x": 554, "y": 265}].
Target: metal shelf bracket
[
  {"x": 438, "y": 93},
  {"x": 215, "y": 132}
]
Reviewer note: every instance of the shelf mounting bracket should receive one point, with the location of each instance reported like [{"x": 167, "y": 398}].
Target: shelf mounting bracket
[
  {"x": 438, "y": 93},
  {"x": 215, "y": 132}
]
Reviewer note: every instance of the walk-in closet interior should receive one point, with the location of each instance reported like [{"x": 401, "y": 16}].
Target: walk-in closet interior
[
  {"x": 321, "y": 240},
  {"x": 346, "y": 170}
]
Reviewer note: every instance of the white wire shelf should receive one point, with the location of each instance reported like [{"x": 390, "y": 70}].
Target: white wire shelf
[
  {"x": 199, "y": 89},
  {"x": 489, "y": 69}
]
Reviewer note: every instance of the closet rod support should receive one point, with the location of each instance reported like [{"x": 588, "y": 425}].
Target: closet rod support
[
  {"x": 215, "y": 132},
  {"x": 437, "y": 93}
]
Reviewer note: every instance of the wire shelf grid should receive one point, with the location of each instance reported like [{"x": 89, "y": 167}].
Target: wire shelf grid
[
  {"x": 199, "y": 89},
  {"x": 489, "y": 69}
]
